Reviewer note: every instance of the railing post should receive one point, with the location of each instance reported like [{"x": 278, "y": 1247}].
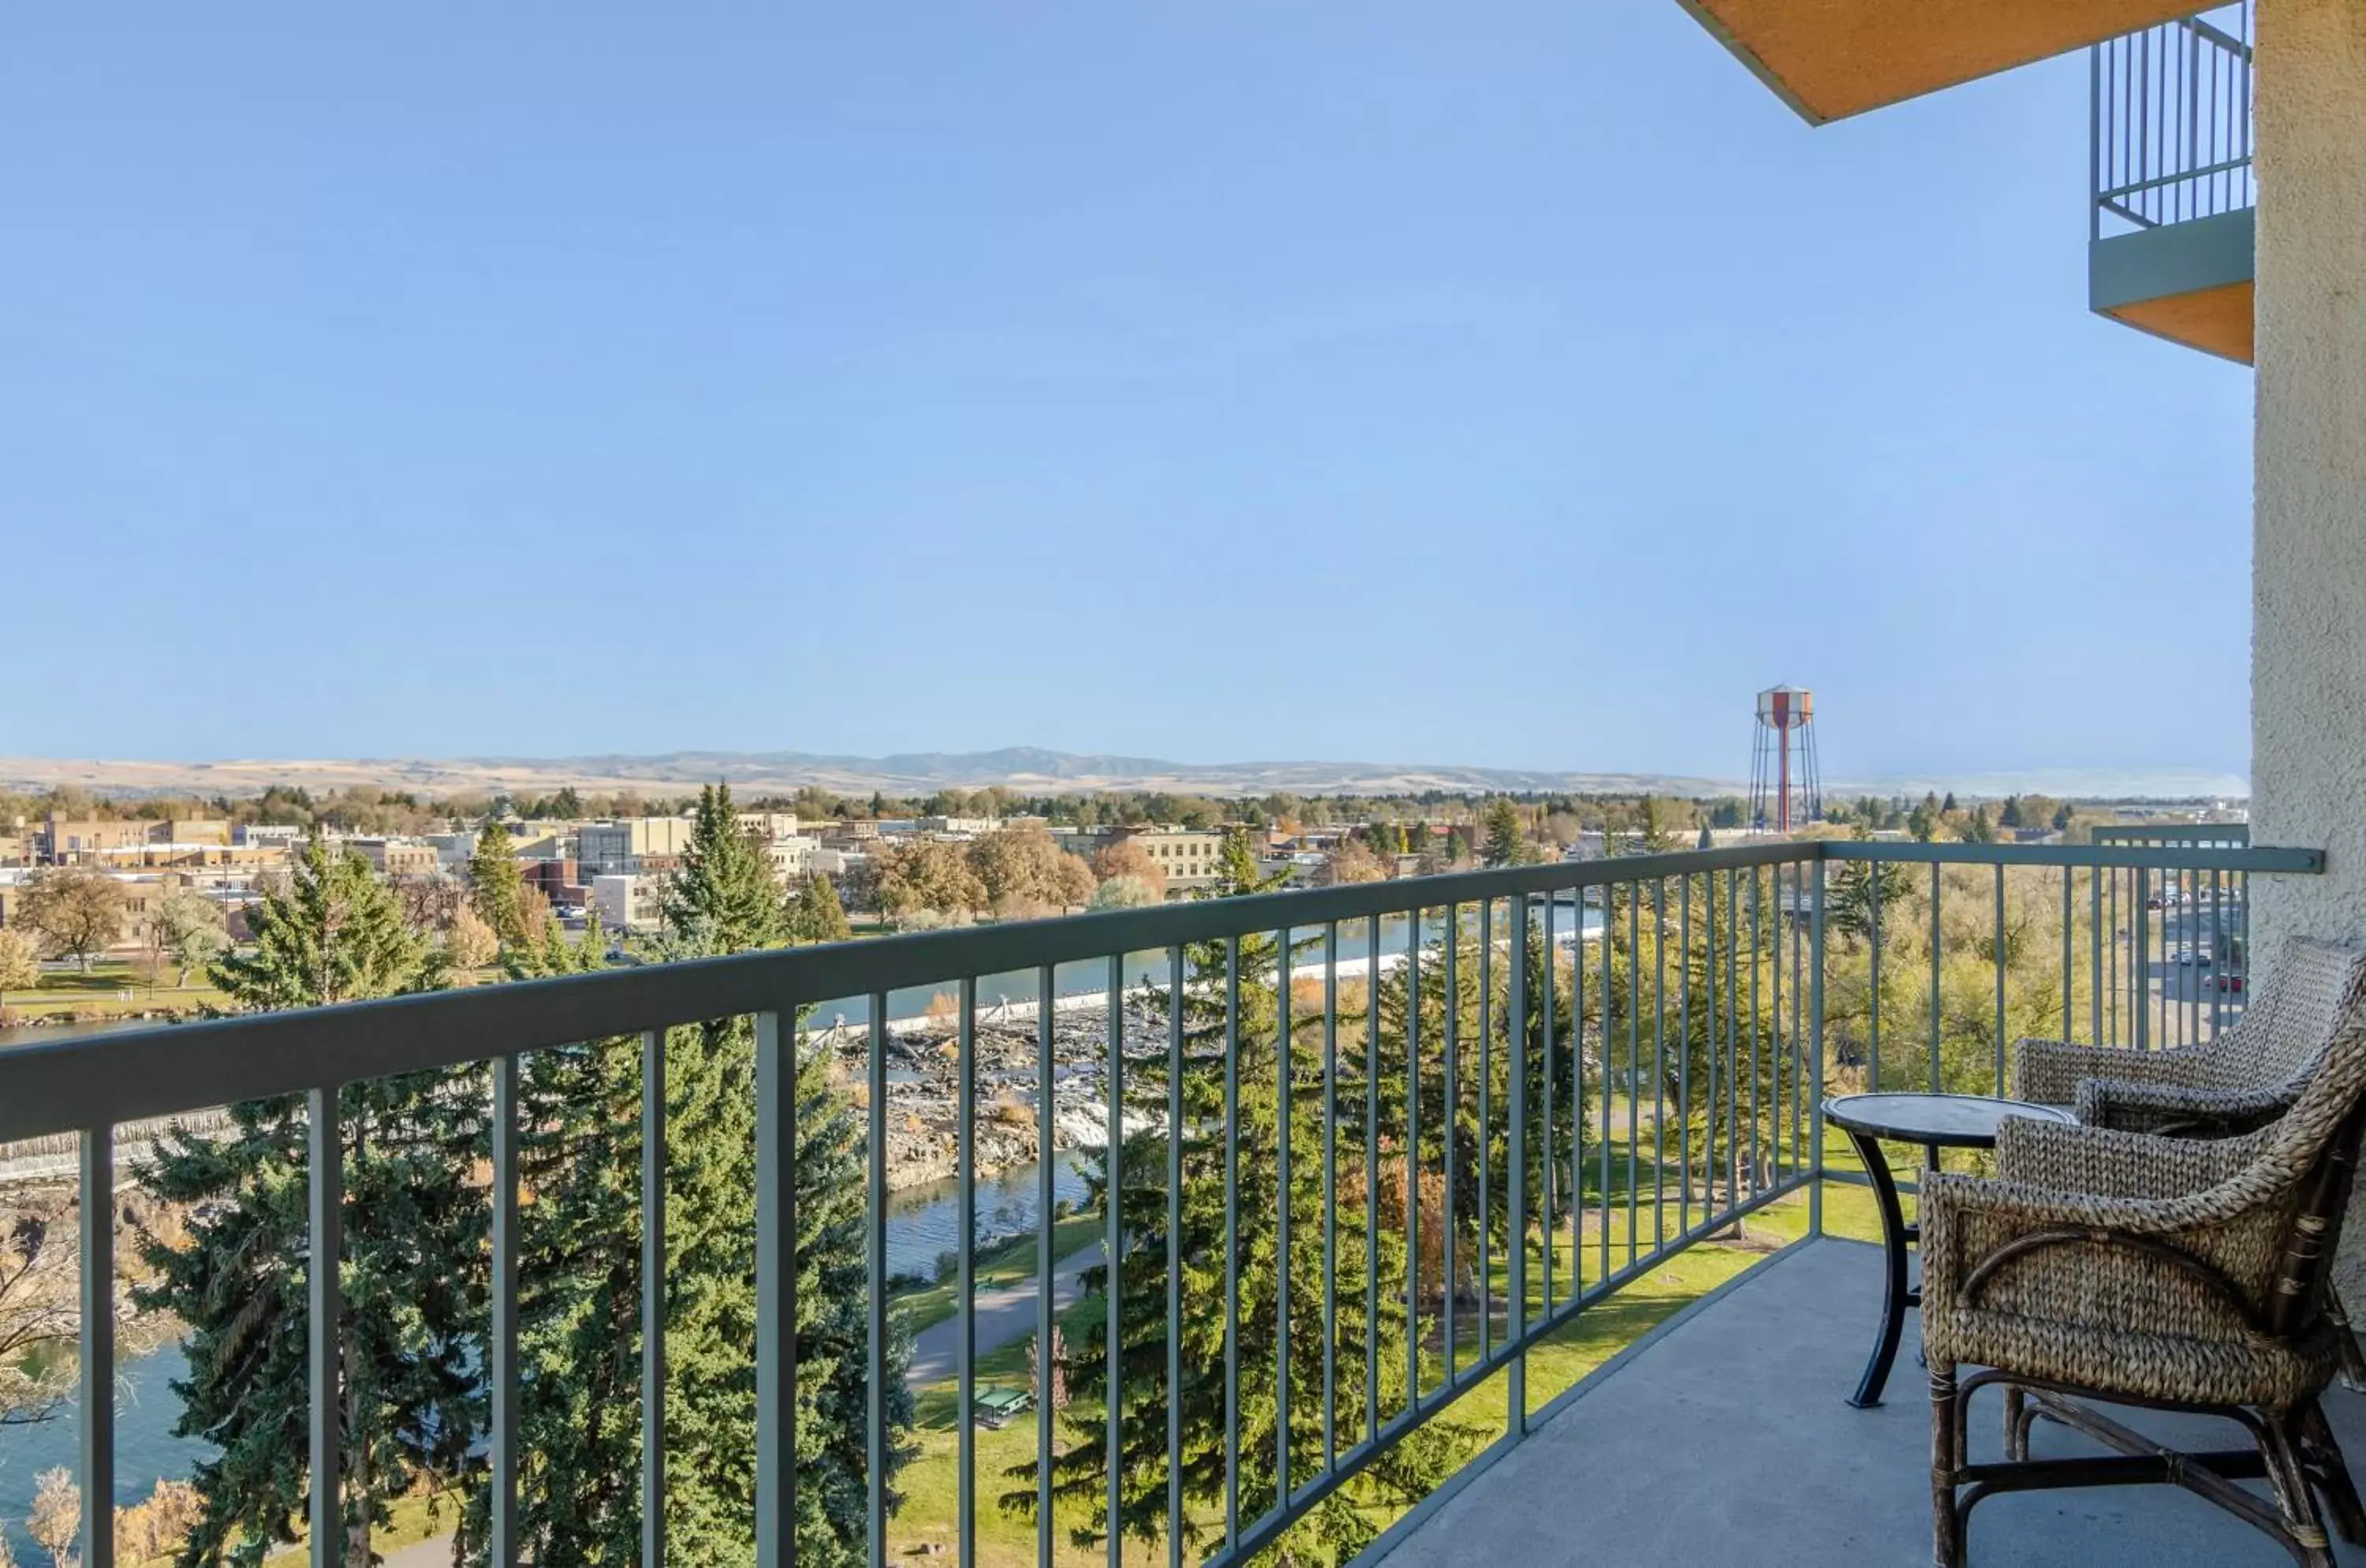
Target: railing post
[
  {"x": 1517, "y": 1383},
  {"x": 2140, "y": 963},
  {"x": 325, "y": 1309},
  {"x": 776, "y": 1289},
  {"x": 1816, "y": 1040},
  {"x": 97, "y": 1198}
]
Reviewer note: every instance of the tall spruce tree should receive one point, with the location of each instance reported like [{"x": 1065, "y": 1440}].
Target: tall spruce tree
[
  {"x": 1507, "y": 844},
  {"x": 723, "y": 901},
  {"x": 578, "y": 1286},
  {"x": 1138, "y": 1178},
  {"x": 408, "y": 1389},
  {"x": 496, "y": 886}
]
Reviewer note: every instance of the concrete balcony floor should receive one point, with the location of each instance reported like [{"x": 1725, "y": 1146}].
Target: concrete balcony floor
[{"x": 1728, "y": 1439}]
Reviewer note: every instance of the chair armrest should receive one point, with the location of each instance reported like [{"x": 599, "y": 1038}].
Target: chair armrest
[
  {"x": 2106, "y": 1165},
  {"x": 2047, "y": 1072},
  {"x": 2031, "y": 1253},
  {"x": 2174, "y": 1111}
]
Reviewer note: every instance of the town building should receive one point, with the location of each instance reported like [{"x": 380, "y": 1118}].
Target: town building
[
  {"x": 397, "y": 857},
  {"x": 632, "y": 845},
  {"x": 626, "y": 902}
]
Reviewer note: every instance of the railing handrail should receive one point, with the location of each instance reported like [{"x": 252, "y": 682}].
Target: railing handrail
[{"x": 108, "y": 1079}]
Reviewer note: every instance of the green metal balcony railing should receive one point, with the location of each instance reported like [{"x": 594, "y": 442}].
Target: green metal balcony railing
[
  {"x": 2171, "y": 128},
  {"x": 1565, "y": 1073}
]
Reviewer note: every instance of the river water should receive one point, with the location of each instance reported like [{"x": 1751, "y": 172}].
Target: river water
[{"x": 922, "y": 1223}]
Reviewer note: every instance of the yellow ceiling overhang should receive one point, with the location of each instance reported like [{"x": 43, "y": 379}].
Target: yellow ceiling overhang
[{"x": 1830, "y": 59}]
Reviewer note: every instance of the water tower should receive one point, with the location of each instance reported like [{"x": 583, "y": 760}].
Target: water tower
[{"x": 1783, "y": 785}]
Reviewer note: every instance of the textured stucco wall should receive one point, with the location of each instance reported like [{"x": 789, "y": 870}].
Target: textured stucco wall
[{"x": 2308, "y": 576}]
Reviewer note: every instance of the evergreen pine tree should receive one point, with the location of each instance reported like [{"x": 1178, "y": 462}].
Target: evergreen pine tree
[
  {"x": 1344, "y": 1523},
  {"x": 496, "y": 886},
  {"x": 408, "y": 1392},
  {"x": 723, "y": 892},
  {"x": 722, "y": 902},
  {"x": 1506, "y": 844},
  {"x": 815, "y": 915}
]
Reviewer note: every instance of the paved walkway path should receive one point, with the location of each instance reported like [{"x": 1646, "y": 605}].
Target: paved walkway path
[{"x": 1003, "y": 1316}]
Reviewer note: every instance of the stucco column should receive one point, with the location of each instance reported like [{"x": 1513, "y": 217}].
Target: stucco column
[{"x": 2308, "y": 571}]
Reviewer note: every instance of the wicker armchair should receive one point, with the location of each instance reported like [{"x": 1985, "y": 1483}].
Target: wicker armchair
[
  {"x": 2184, "y": 1274},
  {"x": 2240, "y": 1078}
]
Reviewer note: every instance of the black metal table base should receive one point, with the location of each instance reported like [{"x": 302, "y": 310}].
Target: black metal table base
[{"x": 1897, "y": 1237}]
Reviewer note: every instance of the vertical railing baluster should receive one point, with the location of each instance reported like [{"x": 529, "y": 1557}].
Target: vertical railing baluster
[
  {"x": 2095, "y": 955},
  {"x": 1113, "y": 1247},
  {"x": 502, "y": 1536},
  {"x": 1999, "y": 1091},
  {"x": 1659, "y": 1063},
  {"x": 1872, "y": 1025},
  {"x": 1284, "y": 1088},
  {"x": 653, "y": 1298},
  {"x": 1634, "y": 1058},
  {"x": 776, "y": 1288},
  {"x": 1757, "y": 1091},
  {"x": 1771, "y": 1111},
  {"x": 1175, "y": 1256},
  {"x": 965, "y": 1271},
  {"x": 2068, "y": 1014},
  {"x": 1732, "y": 1039},
  {"x": 95, "y": 1198},
  {"x": 324, "y": 1179},
  {"x": 1714, "y": 1039},
  {"x": 1485, "y": 1146},
  {"x": 1451, "y": 1127},
  {"x": 1372, "y": 1180},
  {"x": 1602, "y": 1066},
  {"x": 1516, "y": 1332},
  {"x": 2217, "y": 952},
  {"x": 1412, "y": 1159},
  {"x": 1545, "y": 1165},
  {"x": 1330, "y": 1194},
  {"x": 1935, "y": 900},
  {"x": 1684, "y": 1054},
  {"x": 1231, "y": 1241},
  {"x": 1816, "y": 1044},
  {"x": 1046, "y": 1263},
  {"x": 2140, "y": 967},
  {"x": 874, "y": 1229},
  {"x": 1801, "y": 1107}
]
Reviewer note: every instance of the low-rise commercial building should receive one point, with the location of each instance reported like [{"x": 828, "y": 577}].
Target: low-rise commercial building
[
  {"x": 628, "y": 903},
  {"x": 632, "y": 845}
]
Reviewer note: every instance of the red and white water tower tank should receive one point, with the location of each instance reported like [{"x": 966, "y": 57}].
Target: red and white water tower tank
[{"x": 1784, "y": 789}]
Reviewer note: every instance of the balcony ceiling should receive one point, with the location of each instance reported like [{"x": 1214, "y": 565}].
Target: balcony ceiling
[{"x": 1830, "y": 59}]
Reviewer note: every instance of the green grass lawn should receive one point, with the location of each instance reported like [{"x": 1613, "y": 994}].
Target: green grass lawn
[
  {"x": 111, "y": 990},
  {"x": 1555, "y": 1363}
]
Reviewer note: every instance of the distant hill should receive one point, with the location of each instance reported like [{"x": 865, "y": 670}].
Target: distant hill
[{"x": 1025, "y": 768}]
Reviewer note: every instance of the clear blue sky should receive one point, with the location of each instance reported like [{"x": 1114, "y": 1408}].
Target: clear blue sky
[{"x": 1511, "y": 384}]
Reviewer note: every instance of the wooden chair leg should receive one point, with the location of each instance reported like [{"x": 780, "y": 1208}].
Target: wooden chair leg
[
  {"x": 2320, "y": 1445},
  {"x": 1947, "y": 1526},
  {"x": 2016, "y": 1426},
  {"x": 2353, "y": 1362},
  {"x": 2295, "y": 1498}
]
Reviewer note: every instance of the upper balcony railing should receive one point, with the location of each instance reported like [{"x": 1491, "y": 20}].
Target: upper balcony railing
[
  {"x": 2170, "y": 134},
  {"x": 1464, "y": 1109}
]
